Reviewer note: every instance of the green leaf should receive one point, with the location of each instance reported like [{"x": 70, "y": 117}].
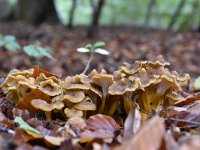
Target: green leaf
[
  {"x": 88, "y": 46},
  {"x": 45, "y": 52},
  {"x": 197, "y": 83},
  {"x": 31, "y": 50},
  {"x": 22, "y": 124},
  {"x": 36, "y": 51},
  {"x": 12, "y": 46},
  {"x": 9, "y": 38},
  {"x": 99, "y": 44},
  {"x": 9, "y": 42}
]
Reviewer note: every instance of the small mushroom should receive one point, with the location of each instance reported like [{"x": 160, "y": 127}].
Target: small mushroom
[
  {"x": 125, "y": 88},
  {"x": 85, "y": 106},
  {"x": 72, "y": 112},
  {"x": 50, "y": 88},
  {"x": 74, "y": 96},
  {"x": 46, "y": 107},
  {"x": 103, "y": 80}
]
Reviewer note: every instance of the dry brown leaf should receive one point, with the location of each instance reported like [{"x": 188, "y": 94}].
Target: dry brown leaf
[
  {"x": 25, "y": 103},
  {"x": 148, "y": 137},
  {"x": 132, "y": 123},
  {"x": 5, "y": 120},
  {"x": 99, "y": 126},
  {"x": 191, "y": 143},
  {"x": 189, "y": 99},
  {"x": 38, "y": 70},
  {"x": 54, "y": 140}
]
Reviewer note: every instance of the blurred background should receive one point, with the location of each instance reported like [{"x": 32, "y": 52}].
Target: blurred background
[{"x": 132, "y": 30}]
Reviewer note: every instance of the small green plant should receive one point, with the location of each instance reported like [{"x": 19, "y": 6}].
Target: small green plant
[
  {"x": 197, "y": 83},
  {"x": 92, "y": 48},
  {"x": 36, "y": 51},
  {"x": 9, "y": 42}
]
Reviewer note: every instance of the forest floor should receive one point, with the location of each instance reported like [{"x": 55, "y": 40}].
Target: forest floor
[{"x": 125, "y": 44}]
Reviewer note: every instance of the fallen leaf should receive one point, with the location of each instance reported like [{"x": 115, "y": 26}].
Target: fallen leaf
[
  {"x": 189, "y": 99},
  {"x": 23, "y": 125},
  {"x": 25, "y": 103},
  {"x": 132, "y": 123},
  {"x": 149, "y": 137},
  {"x": 191, "y": 143},
  {"x": 101, "y": 127},
  {"x": 38, "y": 70},
  {"x": 54, "y": 140},
  {"x": 5, "y": 120}
]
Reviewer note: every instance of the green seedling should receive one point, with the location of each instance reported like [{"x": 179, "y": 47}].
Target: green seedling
[
  {"x": 92, "y": 48},
  {"x": 9, "y": 42}
]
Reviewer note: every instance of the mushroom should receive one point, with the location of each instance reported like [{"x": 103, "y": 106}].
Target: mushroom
[
  {"x": 85, "y": 106},
  {"x": 125, "y": 88},
  {"x": 72, "y": 112},
  {"x": 46, "y": 107},
  {"x": 77, "y": 82},
  {"x": 50, "y": 88},
  {"x": 103, "y": 80},
  {"x": 73, "y": 96}
]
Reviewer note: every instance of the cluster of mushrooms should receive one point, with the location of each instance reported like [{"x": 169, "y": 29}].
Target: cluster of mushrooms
[{"x": 148, "y": 84}]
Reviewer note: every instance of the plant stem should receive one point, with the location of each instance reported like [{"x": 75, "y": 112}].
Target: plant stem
[{"x": 89, "y": 61}]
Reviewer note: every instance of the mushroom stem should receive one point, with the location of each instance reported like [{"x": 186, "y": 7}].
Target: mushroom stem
[
  {"x": 48, "y": 115},
  {"x": 127, "y": 105},
  {"x": 102, "y": 104},
  {"x": 113, "y": 108},
  {"x": 84, "y": 113}
]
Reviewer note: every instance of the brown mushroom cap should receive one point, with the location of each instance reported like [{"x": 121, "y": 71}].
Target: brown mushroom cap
[
  {"x": 74, "y": 96},
  {"x": 122, "y": 86},
  {"x": 72, "y": 112},
  {"x": 103, "y": 80},
  {"x": 77, "y": 82},
  {"x": 58, "y": 105},
  {"x": 41, "y": 105},
  {"x": 44, "y": 106},
  {"x": 50, "y": 88},
  {"x": 85, "y": 105}
]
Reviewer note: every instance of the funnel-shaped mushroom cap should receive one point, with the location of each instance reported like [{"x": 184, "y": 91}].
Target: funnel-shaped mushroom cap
[
  {"x": 58, "y": 98},
  {"x": 77, "y": 82},
  {"x": 103, "y": 80},
  {"x": 44, "y": 106},
  {"x": 144, "y": 79},
  {"x": 92, "y": 73},
  {"x": 72, "y": 112},
  {"x": 26, "y": 73},
  {"x": 41, "y": 105},
  {"x": 129, "y": 69},
  {"x": 50, "y": 88},
  {"x": 122, "y": 86},
  {"x": 74, "y": 96},
  {"x": 42, "y": 77},
  {"x": 159, "y": 61},
  {"x": 85, "y": 105},
  {"x": 57, "y": 105}
]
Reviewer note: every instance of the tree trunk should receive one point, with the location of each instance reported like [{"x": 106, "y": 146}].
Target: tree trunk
[
  {"x": 71, "y": 14},
  {"x": 149, "y": 14},
  {"x": 6, "y": 10},
  {"x": 176, "y": 14},
  {"x": 95, "y": 18},
  {"x": 194, "y": 12},
  {"x": 36, "y": 11}
]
